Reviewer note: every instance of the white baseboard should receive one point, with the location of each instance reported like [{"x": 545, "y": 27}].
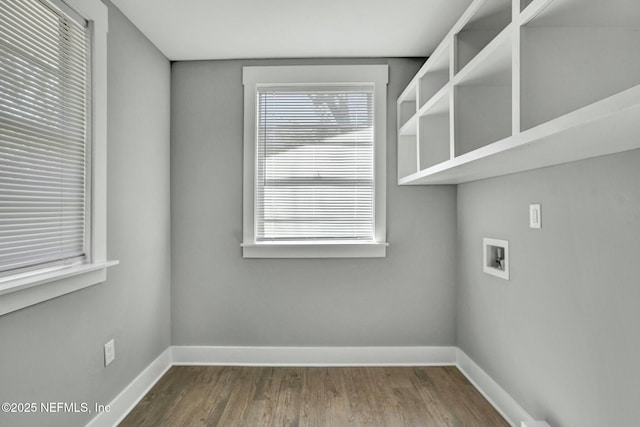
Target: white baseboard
[
  {"x": 311, "y": 356},
  {"x": 491, "y": 390},
  {"x": 314, "y": 356},
  {"x": 134, "y": 392}
]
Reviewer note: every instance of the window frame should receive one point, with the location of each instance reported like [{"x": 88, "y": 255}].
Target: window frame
[
  {"x": 32, "y": 287},
  {"x": 304, "y": 75}
]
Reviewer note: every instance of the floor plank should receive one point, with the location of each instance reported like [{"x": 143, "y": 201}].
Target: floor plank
[{"x": 193, "y": 396}]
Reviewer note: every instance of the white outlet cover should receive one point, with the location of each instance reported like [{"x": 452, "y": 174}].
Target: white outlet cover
[
  {"x": 535, "y": 216},
  {"x": 109, "y": 352}
]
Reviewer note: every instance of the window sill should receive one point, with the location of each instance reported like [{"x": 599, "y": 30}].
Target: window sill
[
  {"x": 314, "y": 250},
  {"x": 18, "y": 293}
]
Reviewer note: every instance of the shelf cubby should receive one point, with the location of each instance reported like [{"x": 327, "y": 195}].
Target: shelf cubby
[
  {"x": 487, "y": 21},
  {"x": 492, "y": 66},
  {"x": 436, "y": 76},
  {"x": 482, "y": 116},
  {"x": 483, "y": 97},
  {"x": 434, "y": 129},
  {"x": 571, "y": 57},
  {"x": 407, "y": 155},
  {"x": 407, "y": 107},
  {"x": 434, "y": 138}
]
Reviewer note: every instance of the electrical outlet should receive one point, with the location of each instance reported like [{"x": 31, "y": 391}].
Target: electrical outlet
[
  {"x": 535, "y": 216},
  {"x": 109, "y": 352}
]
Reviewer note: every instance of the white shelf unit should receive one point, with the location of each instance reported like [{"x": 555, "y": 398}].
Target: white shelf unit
[
  {"x": 531, "y": 83},
  {"x": 485, "y": 20},
  {"x": 424, "y": 136}
]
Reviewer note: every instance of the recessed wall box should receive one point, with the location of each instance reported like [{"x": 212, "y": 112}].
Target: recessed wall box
[{"x": 496, "y": 257}]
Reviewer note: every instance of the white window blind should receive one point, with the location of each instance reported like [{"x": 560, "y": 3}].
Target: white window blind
[
  {"x": 315, "y": 157},
  {"x": 43, "y": 136}
]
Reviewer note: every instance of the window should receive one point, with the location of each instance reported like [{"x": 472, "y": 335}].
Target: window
[
  {"x": 52, "y": 148},
  {"x": 315, "y": 158}
]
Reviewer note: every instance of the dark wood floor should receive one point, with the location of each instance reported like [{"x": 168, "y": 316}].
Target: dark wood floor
[{"x": 340, "y": 397}]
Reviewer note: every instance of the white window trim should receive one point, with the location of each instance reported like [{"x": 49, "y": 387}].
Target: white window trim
[
  {"x": 20, "y": 291},
  {"x": 252, "y": 78}
]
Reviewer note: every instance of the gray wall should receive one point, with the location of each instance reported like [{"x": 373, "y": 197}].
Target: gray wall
[
  {"x": 562, "y": 336},
  {"x": 219, "y": 298},
  {"x": 52, "y": 352}
]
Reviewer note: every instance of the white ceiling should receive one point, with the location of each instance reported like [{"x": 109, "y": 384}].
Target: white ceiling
[{"x": 217, "y": 29}]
